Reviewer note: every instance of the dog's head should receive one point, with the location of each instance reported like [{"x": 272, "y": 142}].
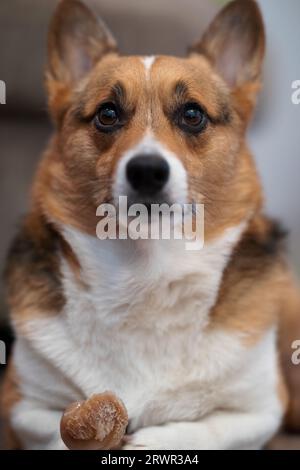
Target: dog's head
[{"x": 156, "y": 129}]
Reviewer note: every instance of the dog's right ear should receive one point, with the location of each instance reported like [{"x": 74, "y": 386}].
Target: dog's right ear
[{"x": 77, "y": 40}]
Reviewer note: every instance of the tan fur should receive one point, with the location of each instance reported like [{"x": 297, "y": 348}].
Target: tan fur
[{"x": 9, "y": 397}]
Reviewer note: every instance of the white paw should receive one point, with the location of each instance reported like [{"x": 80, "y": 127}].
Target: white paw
[
  {"x": 152, "y": 438},
  {"x": 172, "y": 436}
]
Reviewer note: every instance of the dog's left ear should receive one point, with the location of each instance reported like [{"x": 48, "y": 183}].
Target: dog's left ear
[
  {"x": 234, "y": 44},
  {"x": 77, "y": 40}
]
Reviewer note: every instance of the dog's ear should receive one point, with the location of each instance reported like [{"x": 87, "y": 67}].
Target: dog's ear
[
  {"x": 77, "y": 39},
  {"x": 235, "y": 43}
]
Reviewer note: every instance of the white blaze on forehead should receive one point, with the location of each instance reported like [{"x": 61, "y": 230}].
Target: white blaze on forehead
[{"x": 148, "y": 62}]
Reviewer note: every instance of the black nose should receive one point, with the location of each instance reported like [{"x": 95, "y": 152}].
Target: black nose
[{"x": 147, "y": 174}]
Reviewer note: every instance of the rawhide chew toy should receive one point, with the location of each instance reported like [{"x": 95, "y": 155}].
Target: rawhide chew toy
[{"x": 98, "y": 423}]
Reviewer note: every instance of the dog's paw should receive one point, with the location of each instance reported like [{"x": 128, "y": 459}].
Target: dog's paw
[
  {"x": 152, "y": 438},
  {"x": 97, "y": 423}
]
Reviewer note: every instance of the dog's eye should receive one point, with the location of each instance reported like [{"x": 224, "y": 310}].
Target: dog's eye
[
  {"x": 192, "y": 118},
  {"x": 107, "y": 117}
]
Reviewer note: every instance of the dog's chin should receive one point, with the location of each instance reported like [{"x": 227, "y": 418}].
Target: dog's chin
[
  {"x": 149, "y": 200},
  {"x": 150, "y": 211}
]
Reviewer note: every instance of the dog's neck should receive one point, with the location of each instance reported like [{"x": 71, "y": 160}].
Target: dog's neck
[{"x": 156, "y": 281}]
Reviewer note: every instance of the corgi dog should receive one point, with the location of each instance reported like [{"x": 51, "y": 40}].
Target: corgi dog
[{"x": 196, "y": 344}]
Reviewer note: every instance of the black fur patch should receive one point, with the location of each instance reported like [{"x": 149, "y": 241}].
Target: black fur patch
[
  {"x": 271, "y": 243},
  {"x": 32, "y": 264}
]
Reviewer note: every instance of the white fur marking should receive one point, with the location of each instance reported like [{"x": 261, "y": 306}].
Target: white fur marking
[{"x": 148, "y": 62}]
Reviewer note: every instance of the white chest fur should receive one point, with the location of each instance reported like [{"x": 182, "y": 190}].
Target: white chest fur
[{"x": 138, "y": 328}]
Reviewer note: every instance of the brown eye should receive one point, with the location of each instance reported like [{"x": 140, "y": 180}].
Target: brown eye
[
  {"x": 193, "y": 118},
  {"x": 107, "y": 117}
]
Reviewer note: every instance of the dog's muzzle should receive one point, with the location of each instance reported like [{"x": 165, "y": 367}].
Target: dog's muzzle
[{"x": 147, "y": 175}]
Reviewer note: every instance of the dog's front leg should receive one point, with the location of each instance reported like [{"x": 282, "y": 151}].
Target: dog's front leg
[
  {"x": 36, "y": 426},
  {"x": 221, "y": 430},
  {"x": 97, "y": 423}
]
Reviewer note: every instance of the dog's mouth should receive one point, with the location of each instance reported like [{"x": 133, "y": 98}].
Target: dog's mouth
[
  {"x": 149, "y": 201},
  {"x": 150, "y": 209}
]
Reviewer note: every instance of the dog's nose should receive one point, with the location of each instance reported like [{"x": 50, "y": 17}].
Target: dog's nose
[{"x": 147, "y": 174}]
